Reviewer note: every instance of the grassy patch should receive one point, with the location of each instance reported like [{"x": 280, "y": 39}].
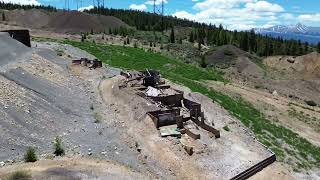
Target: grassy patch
[
  {"x": 313, "y": 122},
  {"x": 304, "y": 154},
  {"x": 226, "y": 128},
  {"x": 20, "y": 175}
]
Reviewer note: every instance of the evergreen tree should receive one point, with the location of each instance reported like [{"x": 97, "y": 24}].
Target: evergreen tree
[
  {"x": 244, "y": 42},
  {"x": 252, "y": 41},
  {"x": 203, "y": 62},
  {"x": 318, "y": 47},
  {"x": 306, "y": 47},
  {"x": 172, "y": 37},
  {"x": 191, "y": 38},
  {"x": 128, "y": 40},
  {"x": 199, "y": 46},
  {"x": 110, "y": 31}
]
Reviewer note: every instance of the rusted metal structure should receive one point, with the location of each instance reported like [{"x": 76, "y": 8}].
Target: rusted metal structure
[
  {"x": 92, "y": 64},
  {"x": 255, "y": 169},
  {"x": 22, "y": 36},
  {"x": 175, "y": 109}
]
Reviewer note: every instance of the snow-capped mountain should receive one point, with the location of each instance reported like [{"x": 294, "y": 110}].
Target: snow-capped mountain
[{"x": 297, "y": 32}]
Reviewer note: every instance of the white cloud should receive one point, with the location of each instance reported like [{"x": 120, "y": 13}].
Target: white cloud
[
  {"x": 22, "y": 2},
  {"x": 86, "y": 8},
  {"x": 264, "y": 6},
  {"x": 140, "y": 7},
  {"x": 309, "y": 17},
  {"x": 234, "y": 14}
]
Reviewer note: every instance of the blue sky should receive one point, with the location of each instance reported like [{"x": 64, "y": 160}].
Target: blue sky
[{"x": 233, "y": 14}]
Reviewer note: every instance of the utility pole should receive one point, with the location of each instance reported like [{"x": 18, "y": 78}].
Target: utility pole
[{"x": 159, "y": 9}]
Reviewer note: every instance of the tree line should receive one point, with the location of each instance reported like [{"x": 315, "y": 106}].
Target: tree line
[
  {"x": 11, "y": 6},
  {"x": 262, "y": 45},
  {"x": 249, "y": 41}
]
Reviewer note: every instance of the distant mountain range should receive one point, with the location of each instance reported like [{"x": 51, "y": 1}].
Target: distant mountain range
[{"x": 297, "y": 32}]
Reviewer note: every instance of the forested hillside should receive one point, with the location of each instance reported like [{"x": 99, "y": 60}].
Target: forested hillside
[
  {"x": 203, "y": 34},
  {"x": 209, "y": 34}
]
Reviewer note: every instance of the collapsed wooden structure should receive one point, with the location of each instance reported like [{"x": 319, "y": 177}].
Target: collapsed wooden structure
[{"x": 175, "y": 109}]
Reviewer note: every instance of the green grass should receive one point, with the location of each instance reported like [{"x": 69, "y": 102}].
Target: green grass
[
  {"x": 20, "y": 175},
  {"x": 303, "y": 154},
  {"x": 226, "y": 128}
]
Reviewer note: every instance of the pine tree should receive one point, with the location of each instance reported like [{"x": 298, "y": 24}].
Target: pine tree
[
  {"x": 110, "y": 31},
  {"x": 252, "y": 41},
  {"x": 318, "y": 47},
  {"x": 306, "y": 47},
  {"x": 203, "y": 62},
  {"x": 244, "y": 42},
  {"x": 191, "y": 38},
  {"x": 172, "y": 37}
]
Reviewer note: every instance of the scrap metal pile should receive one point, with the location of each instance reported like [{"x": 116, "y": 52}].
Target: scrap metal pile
[
  {"x": 92, "y": 64},
  {"x": 176, "y": 115}
]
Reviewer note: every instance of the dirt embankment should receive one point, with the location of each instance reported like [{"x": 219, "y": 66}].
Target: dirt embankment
[
  {"x": 62, "y": 21},
  {"x": 307, "y": 66}
]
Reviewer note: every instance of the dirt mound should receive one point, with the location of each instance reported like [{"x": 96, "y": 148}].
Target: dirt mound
[
  {"x": 33, "y": 18},
  {"x": 235, "y": 61},
  {"x": 75, "y": 21},
  {"x": 62, "y": 21},
  {"x": 304, "y": 66},
  {"x": 225, "y": 56}
]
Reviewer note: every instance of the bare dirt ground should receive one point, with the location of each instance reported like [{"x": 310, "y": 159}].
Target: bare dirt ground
[
  {"x": 73, "y": 169},
  {"x": 220, "y": 158}
]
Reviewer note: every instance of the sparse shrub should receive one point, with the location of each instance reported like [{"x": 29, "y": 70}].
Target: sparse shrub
[
  {"x": 91, "y": 107},
  {"x": 203, "y": 62},
  {"x": 58, "y": 147},
  {"x": 228, "y": 52},
  {"x": 135, "y": 45},
  {"x": 97, "y": 118},
  {"x": 91, "y": 32},
  {"x": 128, "y": 40},
  {"x": 311, "y": 103},
  {"x": 226, "y": 128},
  {"x": 20, "y": 175},
  {"x": 30, "y": 155}
]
